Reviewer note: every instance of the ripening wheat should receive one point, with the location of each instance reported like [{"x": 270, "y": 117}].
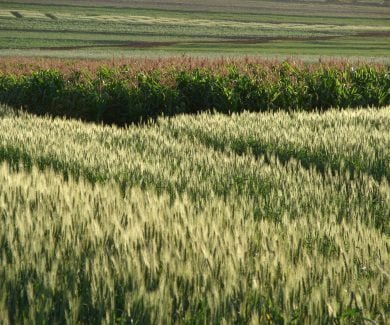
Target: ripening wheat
[{"x": 196, "y": 219}]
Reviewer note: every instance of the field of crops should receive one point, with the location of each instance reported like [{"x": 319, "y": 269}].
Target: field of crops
[
  {"x": 196, "y": 219},
  {"x": 125, "y": 92},
  {"x": 106, "y": 29},
  {"x": 194, "y": 162}
]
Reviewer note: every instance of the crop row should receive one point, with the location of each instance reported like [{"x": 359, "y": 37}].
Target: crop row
[
  {"x": 115, "y": 96},
  {"x": 250, "y": 65}
]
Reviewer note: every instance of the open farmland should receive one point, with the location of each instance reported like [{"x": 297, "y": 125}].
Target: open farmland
[
  {"x": 194, "y": 162},
  {"x": 106, "y": 29},
  {"x": 157, "y": 225}
]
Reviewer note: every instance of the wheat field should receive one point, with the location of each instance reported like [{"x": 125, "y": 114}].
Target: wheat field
[{"x": 196, "y": 219}]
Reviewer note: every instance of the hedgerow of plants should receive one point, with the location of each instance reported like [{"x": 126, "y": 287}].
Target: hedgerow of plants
[{"x": 118, "y": 96}]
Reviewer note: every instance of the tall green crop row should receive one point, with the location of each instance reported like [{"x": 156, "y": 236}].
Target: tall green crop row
[{"x": 114, "y": 96}]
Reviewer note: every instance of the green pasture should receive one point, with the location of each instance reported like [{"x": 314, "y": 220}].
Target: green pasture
[{"x": 125, "y": 28}]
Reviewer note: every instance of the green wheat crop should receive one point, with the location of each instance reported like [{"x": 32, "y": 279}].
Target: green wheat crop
[
  {"x": 355, "y": 140},
  {"x": 159, "y": 224}
]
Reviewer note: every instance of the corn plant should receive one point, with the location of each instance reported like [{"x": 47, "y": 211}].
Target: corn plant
[{"x": 118, "y": 96}]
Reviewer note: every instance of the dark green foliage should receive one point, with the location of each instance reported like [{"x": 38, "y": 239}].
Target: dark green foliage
[
  {"x": 115, "y": 97},
  {"x": 200, "y": 90},
  {"x": 51, "y": 16},
  {"x": 17, "y": 14}
]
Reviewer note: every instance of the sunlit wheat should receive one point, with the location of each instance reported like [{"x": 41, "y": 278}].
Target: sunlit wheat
[{"x": 153, "y": 224}]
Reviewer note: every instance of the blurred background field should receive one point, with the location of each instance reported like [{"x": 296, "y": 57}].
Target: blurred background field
[{"x": 106, "y": 29}]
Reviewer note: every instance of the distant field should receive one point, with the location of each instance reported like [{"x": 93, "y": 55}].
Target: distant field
[{"x": 101, "y": 29}]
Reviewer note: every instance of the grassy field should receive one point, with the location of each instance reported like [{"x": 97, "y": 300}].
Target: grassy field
[
  {"x": 101, "y": 29},
  {"x": 196, "y": 219}
]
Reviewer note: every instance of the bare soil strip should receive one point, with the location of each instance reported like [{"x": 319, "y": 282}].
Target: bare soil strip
[{"x": 238, "y": 41}]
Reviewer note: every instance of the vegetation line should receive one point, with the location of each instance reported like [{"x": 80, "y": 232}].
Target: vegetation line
[{"x": 114, "y": 96}]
